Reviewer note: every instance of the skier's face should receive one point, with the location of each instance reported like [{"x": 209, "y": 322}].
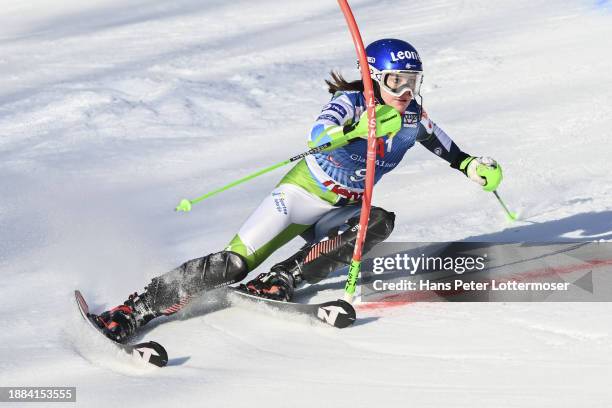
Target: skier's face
[{"x": 398, "y": 102}]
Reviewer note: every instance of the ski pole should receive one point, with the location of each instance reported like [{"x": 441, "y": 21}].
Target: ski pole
[
  {"x": 511, "y": 215},
  {"x": 185, "y": 204}
]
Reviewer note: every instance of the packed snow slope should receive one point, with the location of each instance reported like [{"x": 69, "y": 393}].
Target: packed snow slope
[{"x": 112, "y": 111}]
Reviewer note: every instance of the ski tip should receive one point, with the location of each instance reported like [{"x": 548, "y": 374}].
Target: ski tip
[
  {"x": 151, "y": 352},
  {"x": 338, "y": 313},
  {"x": 81, "y": 303},
  {"x": 350, "y": 317}
]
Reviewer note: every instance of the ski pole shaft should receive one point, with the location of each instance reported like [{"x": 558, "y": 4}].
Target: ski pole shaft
[
  {"x": 511, "y": 215},
  {"x": 185, "y": 204},
  {"x": 240, "y": 181}
]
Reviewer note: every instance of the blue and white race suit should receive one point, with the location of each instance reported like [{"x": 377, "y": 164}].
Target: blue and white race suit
[{"x": 334, "y": 180}]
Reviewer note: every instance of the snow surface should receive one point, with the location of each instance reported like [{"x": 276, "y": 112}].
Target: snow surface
[{"x": 112, "y": 111}]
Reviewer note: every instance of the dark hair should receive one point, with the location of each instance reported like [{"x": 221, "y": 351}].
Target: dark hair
[{"x": 338, "y": 83}]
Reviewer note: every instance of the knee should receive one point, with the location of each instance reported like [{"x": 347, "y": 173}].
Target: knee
[
  {"x": 226, "y": 266},
  {"x": 381, "y": 223},
  {"x": 213, "y": 270}
]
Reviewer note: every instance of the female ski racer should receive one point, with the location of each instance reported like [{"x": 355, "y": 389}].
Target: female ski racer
[{"x": 319, "y": 198}]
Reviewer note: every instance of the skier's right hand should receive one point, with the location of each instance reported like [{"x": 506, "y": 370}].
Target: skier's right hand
[{"x": 388, "y": 123}]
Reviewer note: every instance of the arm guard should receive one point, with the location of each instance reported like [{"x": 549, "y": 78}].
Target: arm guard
[
  {"x": 438, "y": 142},
  {"x": 333, "y": 123}
]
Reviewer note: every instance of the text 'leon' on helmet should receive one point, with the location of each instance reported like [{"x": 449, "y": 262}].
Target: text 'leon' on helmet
[{"x": 393, "y": 54}]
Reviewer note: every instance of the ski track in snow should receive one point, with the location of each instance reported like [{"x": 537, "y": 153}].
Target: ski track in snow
[{"x": 111, "y": 112}]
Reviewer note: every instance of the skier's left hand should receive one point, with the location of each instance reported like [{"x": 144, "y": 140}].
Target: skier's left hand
[{"x": 483, "y": 170}]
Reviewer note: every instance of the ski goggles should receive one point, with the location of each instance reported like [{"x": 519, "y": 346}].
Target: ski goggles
[{"x": 397, "y": 82}]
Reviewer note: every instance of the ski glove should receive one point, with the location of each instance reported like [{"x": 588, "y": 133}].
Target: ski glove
[
  {"x": 483, "y": 170},
  {"x": 388, "y": 123}
]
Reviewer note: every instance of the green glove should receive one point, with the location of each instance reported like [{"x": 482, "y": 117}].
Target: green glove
[
  {"x": 483, "y": 170},
  {"x": 388, "y": 123}
]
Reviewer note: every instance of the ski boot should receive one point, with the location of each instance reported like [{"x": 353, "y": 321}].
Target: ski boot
[
  {"x": 276, "y": 285},
  {"x": 122, "y": 321}
]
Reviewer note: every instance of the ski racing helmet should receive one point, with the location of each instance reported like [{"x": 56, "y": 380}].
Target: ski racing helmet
[{"x": 395, "y": 65}]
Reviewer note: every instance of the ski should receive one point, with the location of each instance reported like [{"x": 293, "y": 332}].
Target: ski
[
  {"x": 337, "y": 313},
  {"x": 149, "y": 352}
]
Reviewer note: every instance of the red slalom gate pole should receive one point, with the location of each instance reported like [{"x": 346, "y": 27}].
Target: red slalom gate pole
[{"x": 355, "y": 267}]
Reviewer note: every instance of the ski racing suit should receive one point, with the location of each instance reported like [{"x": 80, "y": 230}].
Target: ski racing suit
[
  {"x": 324, "y": 189},
  {"x": 319, "y": 199}
]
